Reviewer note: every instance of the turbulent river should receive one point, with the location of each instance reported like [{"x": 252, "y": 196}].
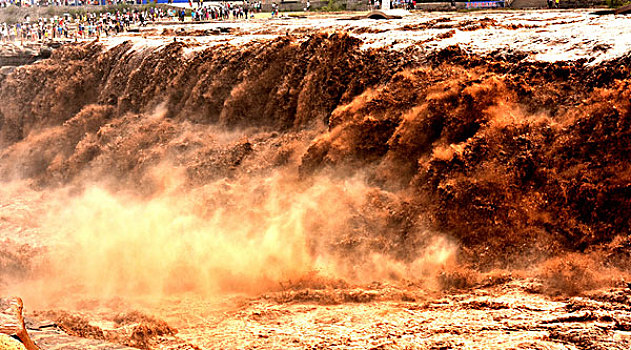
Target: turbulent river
[{"x": 227, "y": 186}]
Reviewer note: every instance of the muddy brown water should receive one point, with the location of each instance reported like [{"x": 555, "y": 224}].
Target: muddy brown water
[{"x": 440, "y": 181}]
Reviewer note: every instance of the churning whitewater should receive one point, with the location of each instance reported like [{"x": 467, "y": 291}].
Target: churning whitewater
[{"x": 157, "y": 191}]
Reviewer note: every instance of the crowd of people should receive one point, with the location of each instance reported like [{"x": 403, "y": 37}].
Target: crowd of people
[
  {"x": 87, "y": 25},
  {"x": 395, "y": 4},
  {"x": 223, "y": 11},
  {"x": 91, "y": 25},
  {"x": 28, "y": 3}
]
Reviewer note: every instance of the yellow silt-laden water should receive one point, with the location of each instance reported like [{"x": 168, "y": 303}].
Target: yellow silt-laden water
[{"x": 9, "y": 343}]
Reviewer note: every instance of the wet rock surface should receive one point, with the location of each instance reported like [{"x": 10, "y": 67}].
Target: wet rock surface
[{"x": 12, "y": 55}]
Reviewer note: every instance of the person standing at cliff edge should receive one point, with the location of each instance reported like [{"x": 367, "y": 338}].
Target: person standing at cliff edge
[{"x": 4, "y": 32}]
